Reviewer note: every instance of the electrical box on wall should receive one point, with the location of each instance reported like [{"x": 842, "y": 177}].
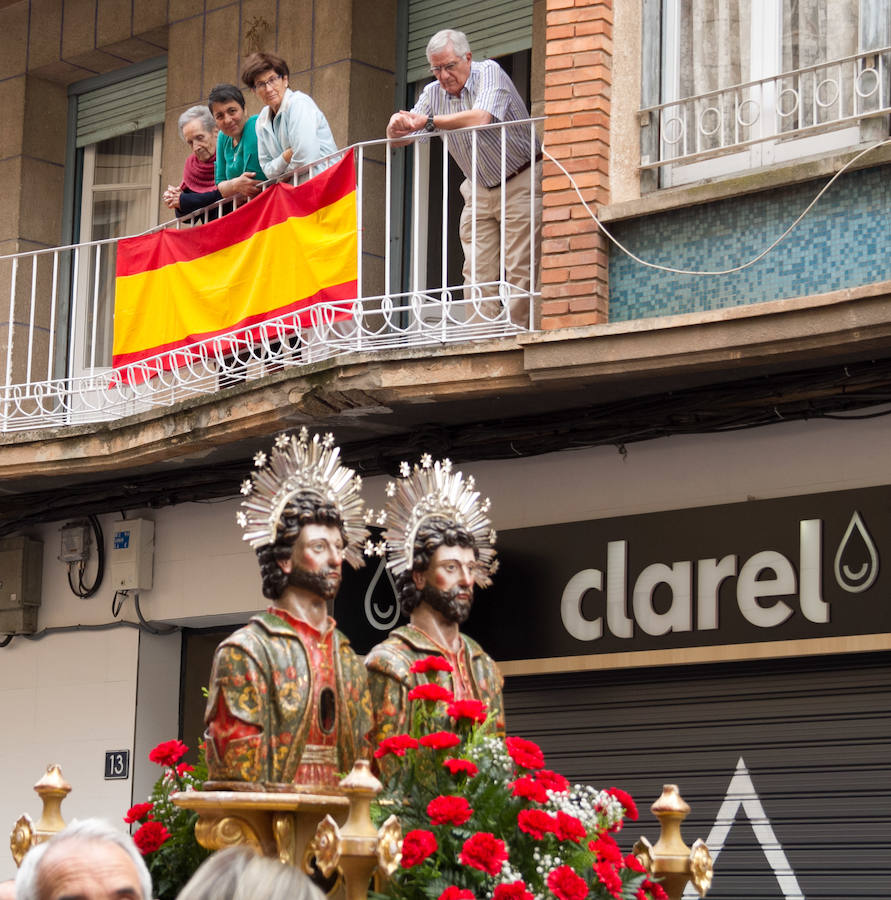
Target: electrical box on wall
[
  {"x": 132, "y": 554},
  {"x": 21, "y": 573}
]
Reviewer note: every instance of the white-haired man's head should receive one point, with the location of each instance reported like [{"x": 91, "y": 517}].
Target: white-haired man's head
[
  {"x": 448, "y": 37},
  {"x": 90, "y": 859}
]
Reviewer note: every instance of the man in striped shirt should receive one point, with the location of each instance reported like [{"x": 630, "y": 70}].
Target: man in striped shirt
[{"x": 464, "y": 94}]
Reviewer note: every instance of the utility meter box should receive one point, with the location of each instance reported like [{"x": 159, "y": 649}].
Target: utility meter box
[
  {"x": 21, "y": 574},
  {"x": 132, "y": 554}
]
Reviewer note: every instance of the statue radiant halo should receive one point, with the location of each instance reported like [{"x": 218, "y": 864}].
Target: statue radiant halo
[
  {"x": 433, "y": 489},
  {"x": 300, "y": 466}
]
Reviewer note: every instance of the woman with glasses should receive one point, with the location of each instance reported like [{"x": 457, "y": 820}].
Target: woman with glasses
[{"x": 291, "y": 130}]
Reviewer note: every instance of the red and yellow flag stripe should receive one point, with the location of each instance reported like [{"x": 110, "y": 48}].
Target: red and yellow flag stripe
[{"x": 282, "y": 252}]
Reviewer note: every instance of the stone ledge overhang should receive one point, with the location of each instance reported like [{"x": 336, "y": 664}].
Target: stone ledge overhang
[{"x": 384, "y": 395}]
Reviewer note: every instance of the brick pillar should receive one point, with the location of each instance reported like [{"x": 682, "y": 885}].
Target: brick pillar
[{"x": 578, "y": 78}]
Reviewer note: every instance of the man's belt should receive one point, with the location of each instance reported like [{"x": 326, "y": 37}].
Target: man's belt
[{"x": 519, "y": 171}]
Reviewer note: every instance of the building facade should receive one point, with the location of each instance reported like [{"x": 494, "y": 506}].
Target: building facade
[{"x": 686, "y": 454}]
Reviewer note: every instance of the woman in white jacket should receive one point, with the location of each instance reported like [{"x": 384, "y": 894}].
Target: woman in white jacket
[{"x": 291, "y": 130}]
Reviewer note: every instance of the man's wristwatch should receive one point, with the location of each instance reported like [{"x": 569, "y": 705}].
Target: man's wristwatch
[{"x": 430, "y": 126}]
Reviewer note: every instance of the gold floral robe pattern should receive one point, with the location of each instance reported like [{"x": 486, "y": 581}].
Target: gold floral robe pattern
[
  {"x": 390, "y": 678},
  {"x": 259, "y": 709}
]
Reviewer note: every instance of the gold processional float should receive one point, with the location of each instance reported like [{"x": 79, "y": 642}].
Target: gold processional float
[{"x": 333, "y": 833}]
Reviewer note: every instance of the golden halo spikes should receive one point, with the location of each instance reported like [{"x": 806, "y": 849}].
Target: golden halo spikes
[
  {"x": 433, "y": 489},
  {"x": 296, "y": 466}
]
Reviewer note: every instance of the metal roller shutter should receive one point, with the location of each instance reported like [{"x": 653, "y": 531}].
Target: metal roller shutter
[
  {"x": 122, "y": 107},
  {"x": 815, "y": 738},
  {"x": 493, "y": 27}
]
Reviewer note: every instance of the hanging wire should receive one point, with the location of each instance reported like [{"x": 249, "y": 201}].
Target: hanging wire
[{"x": 739, "y": 268}]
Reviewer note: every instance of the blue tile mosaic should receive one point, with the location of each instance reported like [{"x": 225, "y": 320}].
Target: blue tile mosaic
[{"x": 844, "y": 241}]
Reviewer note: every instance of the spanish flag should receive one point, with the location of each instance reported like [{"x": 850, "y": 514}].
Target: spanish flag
[{"x": 282, "y": 252}]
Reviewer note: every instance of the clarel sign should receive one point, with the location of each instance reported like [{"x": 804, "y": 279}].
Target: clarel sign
[{"x": 798, "y": 567}]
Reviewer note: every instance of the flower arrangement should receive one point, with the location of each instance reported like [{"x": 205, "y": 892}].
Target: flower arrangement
[
  {"x": 166, "y": 833},
  {"x": 483, "y": 819}
]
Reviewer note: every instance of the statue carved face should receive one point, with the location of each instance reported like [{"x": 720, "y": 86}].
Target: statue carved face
[
  {"x": 316, "y": 560},
  {"x": 447, "y": 584}
]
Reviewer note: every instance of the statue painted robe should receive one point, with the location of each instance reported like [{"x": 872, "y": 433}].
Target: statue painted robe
[
  {"x": 288, "y": 705},
  {"x": 390, "y": 678}
]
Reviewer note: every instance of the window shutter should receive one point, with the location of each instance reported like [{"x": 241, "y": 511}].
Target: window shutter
[
  {"x": 122, "y": 107},
  {"x": 493, "y": 27}
]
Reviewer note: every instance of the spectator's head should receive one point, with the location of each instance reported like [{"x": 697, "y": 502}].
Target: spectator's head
[
  {"x": 226, "y": 105},
  {"x": 198, "y": 130},
  {"x": 89, "y": 860},
  {"x": 267, "y": 76},
  {"x": 237, "y": 873},
  {"x": 448, "y": 53}
]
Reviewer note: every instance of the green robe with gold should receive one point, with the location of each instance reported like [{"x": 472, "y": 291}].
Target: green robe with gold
[
  {"x": 259, "y": 713},
  {"x": 390, "y": 678}
]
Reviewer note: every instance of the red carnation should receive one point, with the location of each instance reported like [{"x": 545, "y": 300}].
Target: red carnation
[
  {"x": 626, "y": 801},
  {"x": 609, "y": 878},
  {"x": 552, "y": 781},
  {"x": 607, "y": 850},
  {"x": 536, "y": 822},
  {"x": 649, "y": 890},
  {"x": 514, "y": 891},
  {"x": 417, "y": 845},
  {"x": 484, "y": 851},
  {"x": 455, "y": 893},
  {"x": 447, "y": 810},
  {"x": 431, "y": 664},
  {"x": 182, "y": 768},
  {"x": 566, "y": 885},
  {"x": 569, "y": 828},
  {"x": 397, "y": 745},
  {"x": 633, "y": 863},
  {"x": 150, "y": 836},
  {"x": 168, "y": 753},
  {"x": 525, "y": 754},
  {"x": 529, "y": 789},
  {"x": 431, "y": 691},
  {"x": 461, "y": 767},
  {"x": 475, "y": 710},
  {"x": 136, "y": 812},
  {"x": 440, "y": 740}
]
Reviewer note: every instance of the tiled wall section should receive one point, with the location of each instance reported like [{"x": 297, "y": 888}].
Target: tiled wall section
[{"x": 844, "y": 241}]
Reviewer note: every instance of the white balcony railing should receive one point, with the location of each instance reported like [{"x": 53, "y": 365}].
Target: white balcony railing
[
  {"x": 55, "y": 357},
  {"x": 796, "y": 104}
]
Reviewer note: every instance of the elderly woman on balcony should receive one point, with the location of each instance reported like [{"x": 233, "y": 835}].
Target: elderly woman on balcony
[
  {"x": 291, "y": 130},
  {"x": 198, "y": 187}
]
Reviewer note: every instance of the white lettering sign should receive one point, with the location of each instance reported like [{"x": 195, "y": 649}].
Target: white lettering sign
[{"x": 760, "y": 581}]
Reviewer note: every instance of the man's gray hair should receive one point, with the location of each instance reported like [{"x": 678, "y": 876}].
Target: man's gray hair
[
  {"x": 448, "y": 36},
  {"x": 196, "y": 112},
  {"x": 85, "y": 831}
]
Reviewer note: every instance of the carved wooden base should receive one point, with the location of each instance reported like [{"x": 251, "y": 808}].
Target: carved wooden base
[{"x": 278, "y": 825}]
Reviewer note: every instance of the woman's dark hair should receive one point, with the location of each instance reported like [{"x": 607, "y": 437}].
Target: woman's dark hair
[
  {"x": 429, "y": 538},
  {"x": 223, "y": 93},
  {"x": 302, "y": 511},
  {"x": 258, "y": 63}
]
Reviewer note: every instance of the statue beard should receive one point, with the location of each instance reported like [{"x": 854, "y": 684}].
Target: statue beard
[
  {"x": 454, "y": 608},
  {"x": 325, "y": 583}
]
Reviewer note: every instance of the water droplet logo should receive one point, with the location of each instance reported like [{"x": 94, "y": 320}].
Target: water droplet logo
[
  {"x": 383, "y": 618},
  {"x": 856, "y": 560}
]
